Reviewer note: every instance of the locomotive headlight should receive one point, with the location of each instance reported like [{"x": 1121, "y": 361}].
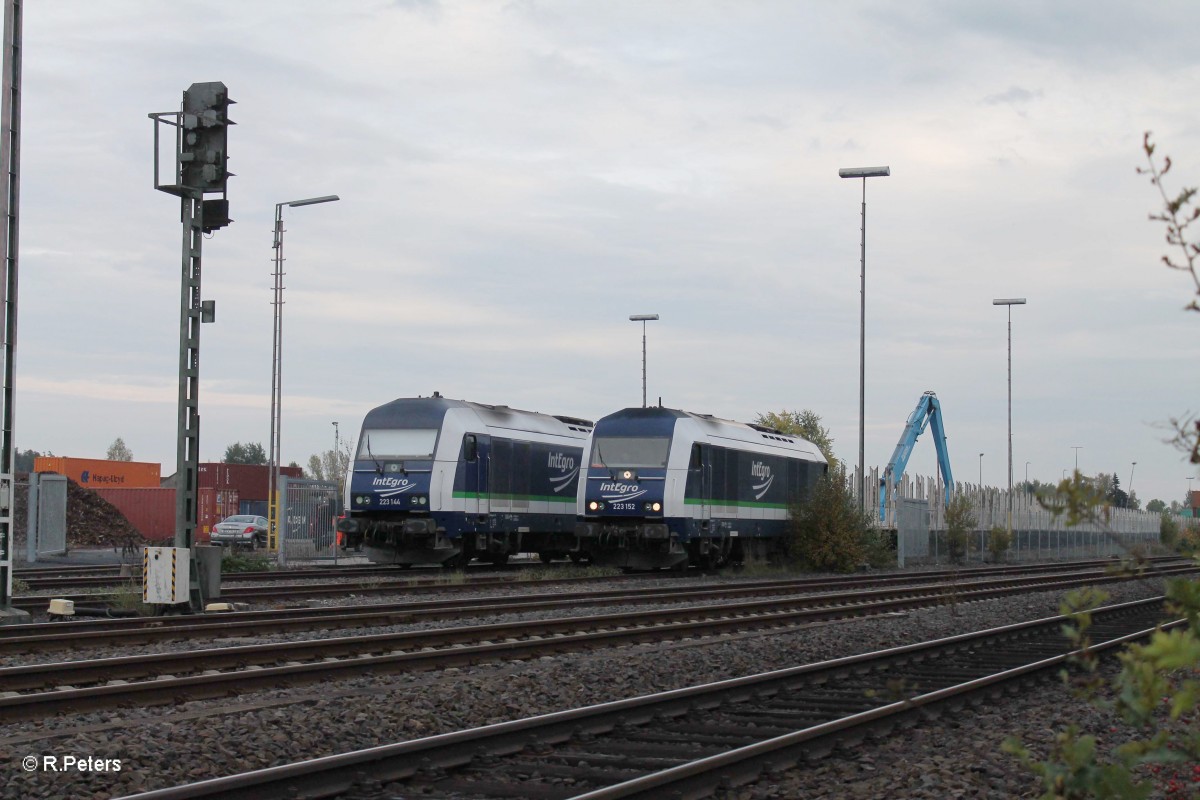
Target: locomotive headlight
[
  {"x": 656, "y": 506},
  {"x": 424, "y": 500},
  {"x": 593, "y": 506},
  {"x": 627, "y": 474}
]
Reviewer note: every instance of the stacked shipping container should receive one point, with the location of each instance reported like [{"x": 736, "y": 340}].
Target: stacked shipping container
[
  {"x": 152, "y": 511},
  {"x": 93, "y": 472}
]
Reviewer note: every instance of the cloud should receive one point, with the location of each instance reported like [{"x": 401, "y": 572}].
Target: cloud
[{"x": 1014, "y": 96}]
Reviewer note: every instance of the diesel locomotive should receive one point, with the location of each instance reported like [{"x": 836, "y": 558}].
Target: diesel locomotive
[
  {"x": 436, "y": 480},
  {"x": 664, "y": 488}
]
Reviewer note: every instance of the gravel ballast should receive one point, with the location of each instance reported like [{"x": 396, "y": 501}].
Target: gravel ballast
[{"x": 949, "y": 757}]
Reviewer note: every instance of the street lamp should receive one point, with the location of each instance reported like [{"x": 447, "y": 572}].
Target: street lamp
[
  {"x": 643, "y": 318},
  {"x": 864, "y": 173},
  {"x": 1129, "y": 489},
  {"x": 336, "y": 442},
  {"x": 1026, "y": 476},
  {"x": 1009, "y": 302},
  {"x": 1077, "y": 449},
  {"x": 277, "y": 362},
  {"x": 981, "y": 471}
]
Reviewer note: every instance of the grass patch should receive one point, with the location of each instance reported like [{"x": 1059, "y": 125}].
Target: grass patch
[
  {"x": 128, "y": 597},
  {"x": 244, "y": 562},
  {"x": 761, "y": 569}
]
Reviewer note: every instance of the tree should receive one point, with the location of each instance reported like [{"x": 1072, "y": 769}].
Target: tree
[
  {"x": 830, "y": 532},
  {"x": 330, "y": 466},
  {"x": 117, "y": 451},
  {"x": 1156, "y": 506},
  {"x": 24, "y": 459},
  {"x": 1178, "y": 215},
  {"x": 238, "y": 453},
  {"x": 806, "y": 424},
  {"x": 1158, "y": 680}
]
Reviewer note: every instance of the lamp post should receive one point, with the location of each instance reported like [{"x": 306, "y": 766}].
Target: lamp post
[
  {"x": 276, "y": 363},
  {"x": 1129, "y": 490},
  {"x": 643, "y": 318},
  {"x": 1009, "y": 302},
  {"x": 1077, "y": 449},
  {"x": 1026, "y": 476},
  {"x": 864, "y": 173},
  {"x": 336, "y": 462},
  {"x": 981, "y": 472},
  {"x": 1189, "y": 493}
]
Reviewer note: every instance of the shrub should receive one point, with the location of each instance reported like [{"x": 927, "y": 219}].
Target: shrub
[
  {"x": 829, "y": 531},
  {"x": 960, "y": 521},
  {"x": 1168, "y": 531},
  {"x": 998, "y": 543}
]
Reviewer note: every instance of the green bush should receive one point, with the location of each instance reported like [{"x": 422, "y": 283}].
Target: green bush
[
  {"x": 960, "y": 521},
  {"x": 998, "y": 543},
  {"x": 1168, "y": 531},
  {"x": 830, "y": 532}
]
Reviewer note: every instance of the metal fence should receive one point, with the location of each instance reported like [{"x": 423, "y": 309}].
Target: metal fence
[
  {"x": 46, "y": 516},
  {"x": 308, "y": 517},
  {"x": 917, "y": 513}
]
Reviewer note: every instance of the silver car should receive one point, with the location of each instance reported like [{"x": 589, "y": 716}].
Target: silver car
[{"x": 244, "y": 530}]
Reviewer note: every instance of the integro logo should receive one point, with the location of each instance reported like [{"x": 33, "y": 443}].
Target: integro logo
[
  {"x": 763, "y": 473},
  {"x": 390, "y": 482},
  {"x": 392, "y": 485},
  {"x": 560, "y": 461},
  {"x": 619, "y": 488},
  {"x": 567, "y": 468}
]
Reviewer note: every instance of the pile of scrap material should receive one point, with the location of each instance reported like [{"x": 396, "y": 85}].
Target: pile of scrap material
[{"x": 92, "y": 521}]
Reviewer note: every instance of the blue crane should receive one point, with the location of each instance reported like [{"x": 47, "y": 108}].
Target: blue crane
[{"x": 928, "y": 410}]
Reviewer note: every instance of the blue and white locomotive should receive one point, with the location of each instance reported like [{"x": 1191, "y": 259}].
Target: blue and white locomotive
[
  {"x": 436, "y": 480},
  {"x": 668, "y": 488}
]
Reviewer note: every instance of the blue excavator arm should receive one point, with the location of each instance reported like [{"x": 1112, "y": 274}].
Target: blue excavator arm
[{"x": 928, "y": 412}]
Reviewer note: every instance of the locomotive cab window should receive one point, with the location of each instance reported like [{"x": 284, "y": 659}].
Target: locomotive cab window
[
  {"x": 470, "y": 447},
  {"x": 398, "y": 443},
  {"x": 630, "y": 451},
  {"x": 694, "y": 464}
]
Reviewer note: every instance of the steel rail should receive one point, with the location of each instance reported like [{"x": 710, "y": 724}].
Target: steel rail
[
  {"x": 34, "y": 637},
  {"x": 239, "y": 669},
  {"x": 39, "y": 603},
  {"x": 332, "y": 775}
]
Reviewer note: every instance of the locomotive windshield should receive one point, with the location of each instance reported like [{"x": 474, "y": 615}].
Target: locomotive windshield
[
  {"x": 630, "y": 451},
  {"x": 397, "y": 443}
]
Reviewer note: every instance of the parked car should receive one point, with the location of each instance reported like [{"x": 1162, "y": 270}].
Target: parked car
[{"x": 245, "y": 530}]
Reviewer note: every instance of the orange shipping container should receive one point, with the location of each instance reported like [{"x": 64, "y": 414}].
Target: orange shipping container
[{"x": 95, "y": 473}]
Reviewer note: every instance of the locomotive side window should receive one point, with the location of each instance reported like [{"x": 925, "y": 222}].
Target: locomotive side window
[
  {"x": 694, "y": 464},
  {"x": 470, "y": 447}
]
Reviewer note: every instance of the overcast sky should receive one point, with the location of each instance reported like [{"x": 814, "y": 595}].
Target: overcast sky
[{"x": 517, "y": 178}]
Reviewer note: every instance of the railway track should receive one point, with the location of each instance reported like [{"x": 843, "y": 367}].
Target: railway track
[
  {"x": 690, "y": 742},
  {"x": 107, "y": 576},
  {"x": 37, "y": 637},
  {"x": 276, "y": 593},
  {"x": 36, "y": 690}
]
